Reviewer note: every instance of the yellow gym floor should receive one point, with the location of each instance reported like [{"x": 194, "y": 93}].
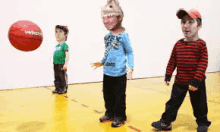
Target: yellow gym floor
[{"x": 38, "y": 110}]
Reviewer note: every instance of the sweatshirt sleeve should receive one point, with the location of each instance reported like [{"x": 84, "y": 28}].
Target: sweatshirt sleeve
[
  {"x": 171, "y": 65},
  {"x": 129, "y": 51},
  {"x": 65, "y": 47},
  {"x": 104, "y": 58},
  {"x": 201, "y": 67}
]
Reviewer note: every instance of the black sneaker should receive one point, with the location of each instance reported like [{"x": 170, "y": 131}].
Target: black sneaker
[
  {"x": 202, "y": 129},
  {"x": 55, "y": 91},
  {"x": 161, "y": 126},
  {"x": 62, "y": 91},
  {"x": 117, "y": 122},
  {"x": 105, "y": 118}
]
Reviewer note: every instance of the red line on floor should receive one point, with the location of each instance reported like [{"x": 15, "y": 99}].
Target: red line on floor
[{"x": 134, "y": 128}]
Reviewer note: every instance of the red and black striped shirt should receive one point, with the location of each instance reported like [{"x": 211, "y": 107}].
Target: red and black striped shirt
[{"x": 191, "y": 60}]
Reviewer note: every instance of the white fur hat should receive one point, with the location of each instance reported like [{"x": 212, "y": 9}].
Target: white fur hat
[{"x": 112, "y": 8}]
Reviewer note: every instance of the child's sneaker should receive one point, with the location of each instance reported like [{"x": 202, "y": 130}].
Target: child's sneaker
[
  {"x": 55, "y": 91},
  {"x": 202, "y": 128},
  {"x": 161, "y": 126},
  {"x": 62, "y": 91},
  {"x": 117, "y": 122},
  {"x": 105, "y": 118}
]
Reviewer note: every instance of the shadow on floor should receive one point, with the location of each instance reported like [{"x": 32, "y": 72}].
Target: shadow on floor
[
  {"x": 185, "y": 120},
  {"x": 33, "y": 126}
]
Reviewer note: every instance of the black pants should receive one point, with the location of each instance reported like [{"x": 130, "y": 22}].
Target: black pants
[
  {"x": 198, "y": 100},
  {"x": 114, "y": 89},
  {"x": 60, "y": 76}
]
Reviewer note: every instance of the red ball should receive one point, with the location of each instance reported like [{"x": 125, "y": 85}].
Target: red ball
[{"x": 25, "y": 35}]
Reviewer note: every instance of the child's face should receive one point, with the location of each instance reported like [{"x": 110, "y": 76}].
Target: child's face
[
  {"x": 111, "y": 22},
  {"x": 60, "y": 35},
  {"x": 189, "y": 26}
]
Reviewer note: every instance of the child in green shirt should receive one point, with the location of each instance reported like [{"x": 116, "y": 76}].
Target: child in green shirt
[{"x": 60, "y": 60}]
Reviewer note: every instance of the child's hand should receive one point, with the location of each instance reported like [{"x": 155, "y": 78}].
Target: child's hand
[
  {"x": 96, "y": 64},
  {"x": 129, "y": 73},
  {"x": 192, "y": 88},
  {"x": 64, "y": 67},
  {"x": 167, "y": 83}
]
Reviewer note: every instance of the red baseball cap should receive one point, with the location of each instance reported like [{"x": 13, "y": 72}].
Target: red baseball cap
[{"x": 193, "y": 13}]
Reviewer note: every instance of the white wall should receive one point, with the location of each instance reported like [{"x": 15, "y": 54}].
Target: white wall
[{"x": 152, "y": 26}]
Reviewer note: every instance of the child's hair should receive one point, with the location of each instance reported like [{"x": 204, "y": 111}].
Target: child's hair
[
  {"x": 199, "y": 21},
  {"x": 64, "y": 28}
]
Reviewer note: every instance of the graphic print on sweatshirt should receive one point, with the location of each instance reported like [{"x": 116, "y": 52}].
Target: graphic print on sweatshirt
[
  {"x": 111, "y": 43},
  {"x": 118, "y": 54}
]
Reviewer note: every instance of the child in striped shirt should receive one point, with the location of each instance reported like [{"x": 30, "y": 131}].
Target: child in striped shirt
[{"x": 190, "y": 57}]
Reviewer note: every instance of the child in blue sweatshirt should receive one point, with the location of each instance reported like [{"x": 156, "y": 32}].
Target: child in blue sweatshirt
[{"x": 118, "y": 51}]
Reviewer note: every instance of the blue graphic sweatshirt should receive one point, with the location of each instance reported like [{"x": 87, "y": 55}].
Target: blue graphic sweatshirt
[{"x": 117, "y": 51}]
